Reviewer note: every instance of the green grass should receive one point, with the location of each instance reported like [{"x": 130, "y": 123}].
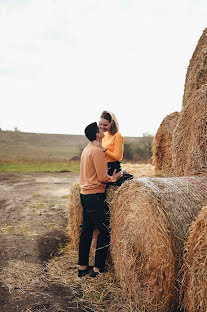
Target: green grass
[{"x": 23, "y": 166}]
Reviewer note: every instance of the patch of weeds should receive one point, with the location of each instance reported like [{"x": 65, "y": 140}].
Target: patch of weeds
[
  {"x": 62, "y": 246},
  {"x": 23, "y": 229},
  {"x": 36, "y": 195},
  {"x": 65, "y": 197},
  {"x": 8, "y": 229}
]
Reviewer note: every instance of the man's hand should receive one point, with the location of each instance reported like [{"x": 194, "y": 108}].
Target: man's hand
[{"x": 117, "y": 175}]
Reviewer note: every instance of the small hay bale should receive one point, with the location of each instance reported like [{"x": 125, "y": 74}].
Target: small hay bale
[
  {"x": 149, "y": 219},
  {"x": 189, "y": 142},
  {"x": 74, "y": 215},
  {"x": 194, "y": 282},
  {"x": 162, "y": 153},
  {"x": 196, "y": 74}
]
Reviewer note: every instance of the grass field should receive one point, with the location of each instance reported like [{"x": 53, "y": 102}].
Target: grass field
[{"x": 44, "y": 166}]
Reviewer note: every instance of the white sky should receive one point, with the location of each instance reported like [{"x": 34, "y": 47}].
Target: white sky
[{"x": 62, "y": 62}]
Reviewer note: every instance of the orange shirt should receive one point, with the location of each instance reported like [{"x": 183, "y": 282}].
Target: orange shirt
[
  {"x": 93, "y": 170},
  {"x": 114, "y": 145}
]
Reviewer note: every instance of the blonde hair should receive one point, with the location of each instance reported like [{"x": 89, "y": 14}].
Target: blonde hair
[{"x": 114, "y": 127}]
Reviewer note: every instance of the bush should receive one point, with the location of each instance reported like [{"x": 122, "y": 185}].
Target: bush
[{"x": 139, "y": 150}]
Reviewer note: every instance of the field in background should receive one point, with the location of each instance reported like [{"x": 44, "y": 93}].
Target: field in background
[
  {"x": 15, "y": 145},
  {"x": 37, "y": 152},
  {"x": 41, "y": 166}
]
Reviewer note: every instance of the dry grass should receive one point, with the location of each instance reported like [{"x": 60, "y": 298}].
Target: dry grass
[
  {"x": 103, "y": 292},
  {"x": 189, "y": 144},
  {"x": 162, "y": 153},
  {"x": 139, "y": 170},
  {"x": 149, "y": 219},
  {"x": 194, "y": 282}
]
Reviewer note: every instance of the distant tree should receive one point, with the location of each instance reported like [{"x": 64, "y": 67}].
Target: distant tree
[
  {"x": 144, "y": 148},
  {"x": 128, "y": 151}
]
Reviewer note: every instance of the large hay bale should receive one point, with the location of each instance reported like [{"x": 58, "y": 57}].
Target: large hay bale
[
  {"x": 162, "y": 153},
  {"x": 196, "y": 74},
  {"x": 149, "y": 219},
  {"x": 194, "y": 283},
  {"x": 189, "y": 142}
]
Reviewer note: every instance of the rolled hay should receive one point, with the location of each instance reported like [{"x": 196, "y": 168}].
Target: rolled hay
[
  {"x": 194, "y": 282},
  {"x": 149, "y": 221},
  {"x": 162, "y": 153},
  {"x": 75, "y": 214},
  {"x": 196, "y": 74},
  {"x": 189, "y": 141}
]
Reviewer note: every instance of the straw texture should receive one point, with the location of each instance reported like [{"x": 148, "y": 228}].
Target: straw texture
[
  {"x": 196, "y": 74},
  {"x": 194, "y": 283},
  {"x": 162, "y": 153},
  {"x": 150, "y": 218},
  {"x": 189, "y": 142}
]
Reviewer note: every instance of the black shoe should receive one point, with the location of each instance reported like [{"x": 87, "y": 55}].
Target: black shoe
[
  {"x": 82, "y": 273},
  {"x": 94, "y": 274}
]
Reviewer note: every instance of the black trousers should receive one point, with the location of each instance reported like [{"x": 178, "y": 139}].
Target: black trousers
[
  {"x": 117, "y": 165},
  {"x": 95, "y": 216}
]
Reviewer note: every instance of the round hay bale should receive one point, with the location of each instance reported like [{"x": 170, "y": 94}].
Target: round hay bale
[
  {"x": 194, "y": 282},
  {"x": 196, "y": 74},
  {"x": 189, "y": 142},
  {"x": 149, "y": 219},
  {"x": 162, "y": 153}
]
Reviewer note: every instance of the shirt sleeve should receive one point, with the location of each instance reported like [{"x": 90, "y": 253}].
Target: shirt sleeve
[
  {"x": 117, "y": 153},
  {"x": 101, "y": 168}
]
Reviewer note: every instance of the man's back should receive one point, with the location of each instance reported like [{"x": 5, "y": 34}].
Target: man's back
[{"x": 93, "y": 170}]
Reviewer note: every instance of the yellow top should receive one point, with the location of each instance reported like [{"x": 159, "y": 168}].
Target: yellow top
[{"x": 114, "y": 145}]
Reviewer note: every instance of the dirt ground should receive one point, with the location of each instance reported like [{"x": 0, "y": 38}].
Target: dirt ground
[{"x": 33, "y": 230}]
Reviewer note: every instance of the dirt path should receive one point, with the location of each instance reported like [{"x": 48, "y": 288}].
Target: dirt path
[{"x": 33, "y": 228}]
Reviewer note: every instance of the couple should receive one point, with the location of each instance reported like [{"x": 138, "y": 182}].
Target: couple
[{"x": 100, "y": 165}]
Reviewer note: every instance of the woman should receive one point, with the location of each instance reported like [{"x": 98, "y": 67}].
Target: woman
[{"x": 113, "y": 145}]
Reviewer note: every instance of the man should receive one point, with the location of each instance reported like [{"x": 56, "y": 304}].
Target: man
[{"x": 93, "y": 180}]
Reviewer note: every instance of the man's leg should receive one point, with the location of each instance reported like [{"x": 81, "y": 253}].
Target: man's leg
[
  {"x": 86, "y": 233},
  {"x": 102, "y": 223}
]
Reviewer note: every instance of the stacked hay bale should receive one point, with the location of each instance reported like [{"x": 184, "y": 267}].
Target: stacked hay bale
[
  {"x": 189, "y": 143},
  {"x": 196, "y": 74},
  {"x": 182, "y": 149},
  {"x": 194, "y": 282},
  {"x": 162, "y": 153},
  {"x": 149, "y": 219}
]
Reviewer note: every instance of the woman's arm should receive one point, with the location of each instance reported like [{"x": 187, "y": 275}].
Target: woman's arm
[{"x": 118, "y": 149}]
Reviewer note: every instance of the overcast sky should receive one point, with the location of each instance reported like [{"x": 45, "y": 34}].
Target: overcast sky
[{"x": 62, "y": 62}]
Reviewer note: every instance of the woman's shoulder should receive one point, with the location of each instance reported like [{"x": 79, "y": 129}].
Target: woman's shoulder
[{"x": 118, "y": 135}]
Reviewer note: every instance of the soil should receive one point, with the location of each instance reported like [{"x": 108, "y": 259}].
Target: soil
[{"x": 33, "y": 230}]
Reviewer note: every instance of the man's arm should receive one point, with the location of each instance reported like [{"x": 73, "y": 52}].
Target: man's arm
[{"x": 101, "y": 168}]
